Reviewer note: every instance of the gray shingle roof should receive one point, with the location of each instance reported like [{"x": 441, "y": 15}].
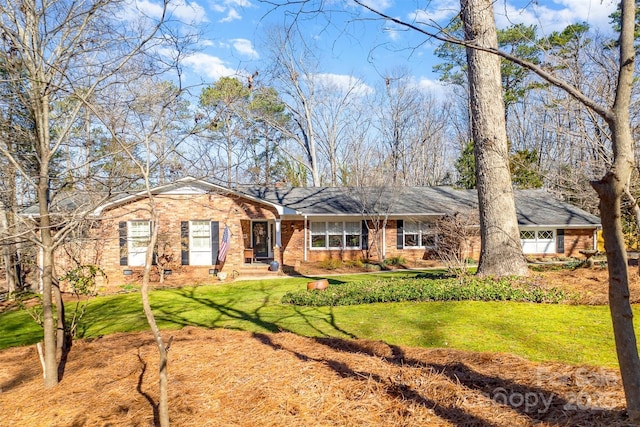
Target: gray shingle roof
[
  {"x": 534, "y": 207},
  {"x": 538, "y": 207}
]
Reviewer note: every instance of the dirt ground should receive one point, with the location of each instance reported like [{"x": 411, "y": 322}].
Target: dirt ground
[{"x": 235, "y": 378}]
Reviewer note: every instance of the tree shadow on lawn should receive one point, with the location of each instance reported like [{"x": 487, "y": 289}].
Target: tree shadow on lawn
[
  {"x": 226, "y": 312},
  {"x": 544, "y": 396}
]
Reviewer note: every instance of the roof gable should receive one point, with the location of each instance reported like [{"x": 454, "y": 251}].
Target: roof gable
[{"x": 185, "y": 186}]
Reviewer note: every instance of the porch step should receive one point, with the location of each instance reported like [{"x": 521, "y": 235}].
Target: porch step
[{"x": 256, "y": 269}]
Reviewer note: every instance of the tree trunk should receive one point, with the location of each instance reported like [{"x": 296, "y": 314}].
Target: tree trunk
[
  {"x": 50, "y": 348},
  {"x": 9, "y": 252},
  {"x": 163, "y": 406},
  {"x": 610, "y": 190},
  {"x": 62, "y": 343},
  {"x": 501, "y": 252}
]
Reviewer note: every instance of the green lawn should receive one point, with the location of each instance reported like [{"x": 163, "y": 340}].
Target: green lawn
[{"x": 571, "y": 334}]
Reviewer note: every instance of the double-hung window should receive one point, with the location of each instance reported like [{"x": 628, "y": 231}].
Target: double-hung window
[
  {"x": 138, "y": 238},
  {"x": 200, "y": 244},
  {"x": 419, "y": 235},
  {"x": 336, "y": 234},
  {"x": 318, "y": 234}
]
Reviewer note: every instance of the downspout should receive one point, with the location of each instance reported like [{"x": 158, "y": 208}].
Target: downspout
[
  {"x": 278, "y": 233},
  {"x": 305, "y": 238}
]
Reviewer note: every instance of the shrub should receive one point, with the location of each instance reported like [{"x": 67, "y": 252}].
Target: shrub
[
  {"x": 353, "y": 263},
  {"x": 413, "y": 289},
  {"x": 330, "y": 264},
  {"x": 395, "y": 260},
  {"x": 83, "y": 283},
  {"x": 372, "y": 267}
]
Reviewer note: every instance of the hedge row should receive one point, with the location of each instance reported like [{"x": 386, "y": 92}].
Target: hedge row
[{"x": 407, "y": 289}]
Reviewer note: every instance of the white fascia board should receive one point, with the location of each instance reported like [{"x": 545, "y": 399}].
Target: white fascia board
[
  {"x": 171, "y": 188},
  {"x": 191, "y": 186}
]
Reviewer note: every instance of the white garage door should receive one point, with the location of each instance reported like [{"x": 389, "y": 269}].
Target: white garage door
[{"x": 538, "y": 241}]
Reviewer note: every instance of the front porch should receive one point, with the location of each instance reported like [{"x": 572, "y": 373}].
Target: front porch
[{"x": 261, "y": 240}]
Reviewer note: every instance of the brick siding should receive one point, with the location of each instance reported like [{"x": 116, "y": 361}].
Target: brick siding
[
  {"x": 101, "y": 245},
  {"x": 229, "y": 210}
]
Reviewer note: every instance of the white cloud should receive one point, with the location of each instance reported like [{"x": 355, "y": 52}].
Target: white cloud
[
  {"x": 190, "y": 13},
  {"x": 232, "y": 15},
  {"x": 393, "y": 30},
  {"x": 555, "y": 15},
  {"x": 343, "y": 82},
  {"x": 186, "y": 12},
  {"x": 379, "y": 5},
  {"x": 148, "y": 8},
  {"x": 428, "y": 84},
  {"x": 230, "y": 8},
  {"x": 438, "y": 89},
  {"x": 208, "y": 66},
  {"x": 239, "y": 3},
  {"x": 245, "y": 47},
  {"x": 438, "y": 12}
]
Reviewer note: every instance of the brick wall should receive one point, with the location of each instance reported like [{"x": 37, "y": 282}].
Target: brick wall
[
  {"x": 576, "y": 240},
  {"x": 102, "y": 245},
  {"x": 173, "y": 209},
  {"x": 293, "y": 245}
]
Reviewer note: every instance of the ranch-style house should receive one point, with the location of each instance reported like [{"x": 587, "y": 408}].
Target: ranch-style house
[{"x": 254, "y": 226}]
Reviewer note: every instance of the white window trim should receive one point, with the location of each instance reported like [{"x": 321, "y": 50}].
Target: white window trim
[
  {"x": 199, "y": 256},
  {"x": 136, "y": 256},
  {"x": 326, "y": 247},
  {"x": 420, "y": 234}
]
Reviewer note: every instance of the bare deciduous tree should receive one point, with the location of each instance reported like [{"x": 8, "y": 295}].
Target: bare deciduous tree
[
  {"x": 294, "y": 70},
  {"x": 142, "y": 139},
  {"x": 65, "y": 52}
]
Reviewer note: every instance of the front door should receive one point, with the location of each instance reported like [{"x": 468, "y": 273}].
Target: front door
[{"x": 260, "y": 233}]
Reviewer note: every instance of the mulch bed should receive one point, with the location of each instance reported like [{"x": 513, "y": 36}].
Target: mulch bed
[{"x": 234, "y": 378}]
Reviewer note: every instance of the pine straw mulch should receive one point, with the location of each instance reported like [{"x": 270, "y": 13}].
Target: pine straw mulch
[
  {"x": 589, "y": 285},
  {"x": 233, "y": 378}
]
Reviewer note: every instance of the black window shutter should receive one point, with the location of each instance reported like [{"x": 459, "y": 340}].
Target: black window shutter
[
  {"x": 215, "y": 241},
  {"x": 154, "y": 254},
  {"x": 122, "y": 235},
  {"x": 184, "y": 242},
  {"x": 400, "y": 234},
  {"x": 365, "y": 235},
  {"x": 560, "y": 241}
]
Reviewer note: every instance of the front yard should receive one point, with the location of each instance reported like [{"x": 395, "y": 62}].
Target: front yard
[
  {"x": 570, "y": 333},
  {"x": 242, "y": 357}
]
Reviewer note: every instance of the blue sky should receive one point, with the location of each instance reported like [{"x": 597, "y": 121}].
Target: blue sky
[{"x": 232, "y": 40}]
